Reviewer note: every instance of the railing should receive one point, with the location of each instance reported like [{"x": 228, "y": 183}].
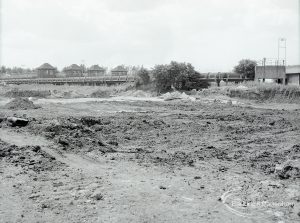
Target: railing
[
  {"x": 112, "y": 79},
  {"x": 271, "y": 62},
  {"x": 62, "y": 80}
]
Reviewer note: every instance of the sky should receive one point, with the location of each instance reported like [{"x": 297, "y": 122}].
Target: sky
[{"x": 212, "y": 35}]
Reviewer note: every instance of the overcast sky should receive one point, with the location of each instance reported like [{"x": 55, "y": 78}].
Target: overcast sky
[{"x": 213, "y": 35}]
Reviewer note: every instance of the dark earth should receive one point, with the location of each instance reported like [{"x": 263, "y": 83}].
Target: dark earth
[{"x": 139, "y": 161}]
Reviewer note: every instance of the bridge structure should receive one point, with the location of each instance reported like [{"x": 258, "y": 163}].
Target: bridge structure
[
  {"x": 109, "y": 80},
  {"x": 103, "y": 80},
  {"x": 226, "y": 77}
]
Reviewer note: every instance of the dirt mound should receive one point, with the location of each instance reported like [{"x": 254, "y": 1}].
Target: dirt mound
[
  {"x": 66, "y": 94},
  {"x": 105, "y": 134},
  {"x": 16, "y": 93},
  {"x": 101, "y": 94},
  {"x": 177, "y": 95},
  {"x": 28, "y": 157},
  {"x": 21, "y": 104},
  {"x": 77, "y": 135}
]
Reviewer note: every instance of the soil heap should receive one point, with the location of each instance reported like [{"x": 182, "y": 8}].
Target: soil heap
[{"x": 21, "y": 104}]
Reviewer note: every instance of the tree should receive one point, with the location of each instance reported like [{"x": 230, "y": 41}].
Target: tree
[
  {"x": 160, "y": 75},
  {"x": 143, "y": 77},
  {"x": 133, "y": 70},
  {"x": 3, "y": 69},
  {"x": 181, "y": 76},
  {"x": 8, "y": 70},
  {"x": 195, "y": 82},
  {"x": 83, "y": 68},
  {"x": 246, "y": 68}
]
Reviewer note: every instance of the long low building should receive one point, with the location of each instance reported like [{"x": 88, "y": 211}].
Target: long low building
[{"x": 278, "y": 74}]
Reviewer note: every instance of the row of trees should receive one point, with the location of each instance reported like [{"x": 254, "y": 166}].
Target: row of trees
[{"x": 15, "y": 70}]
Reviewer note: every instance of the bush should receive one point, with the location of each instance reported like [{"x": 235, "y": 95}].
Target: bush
[
  {"x": 246, "y": 67},
  {"x": 195, "y": 82},
  {"x": 143, "y": 77},
  {"x": 181, "y": 76}
]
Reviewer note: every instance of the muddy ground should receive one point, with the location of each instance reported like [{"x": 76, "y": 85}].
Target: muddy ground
[{"x": 138, "y": 161}]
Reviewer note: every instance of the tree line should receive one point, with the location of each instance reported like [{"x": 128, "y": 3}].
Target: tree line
[
  {"x": 183, "y": 76},
  {"x": 165, "y": 77},
  {"x": 15, "y": 70}
]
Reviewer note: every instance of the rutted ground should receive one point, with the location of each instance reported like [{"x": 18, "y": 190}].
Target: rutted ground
[{"x": 153, "y": 162}]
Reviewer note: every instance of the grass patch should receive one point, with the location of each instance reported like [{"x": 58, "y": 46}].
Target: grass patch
[{"x": 258, "y": 91}]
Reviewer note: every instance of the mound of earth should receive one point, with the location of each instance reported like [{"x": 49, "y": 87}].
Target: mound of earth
[
  {"x": 177, "y": 95},
  {"x": 21, "y": 104},
  {"x": 28, "y": 157},
  {"x": 100, "y": 94}
]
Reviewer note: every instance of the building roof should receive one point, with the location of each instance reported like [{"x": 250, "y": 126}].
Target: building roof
[
  {"x": 46, "y": 66},
  {"x": 97, "y": 68},
  {"x": 74, "y": 67},
  {"x": 119, "y": 69}
]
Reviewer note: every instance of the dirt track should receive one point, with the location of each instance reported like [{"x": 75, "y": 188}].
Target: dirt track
[{"x": 150, "y": 162}]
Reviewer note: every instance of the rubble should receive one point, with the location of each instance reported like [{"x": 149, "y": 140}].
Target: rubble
[
  {"x": 289, "y": 169},
  {"x": 177, "y": 96},
  {"x": 14, "y": 121}
]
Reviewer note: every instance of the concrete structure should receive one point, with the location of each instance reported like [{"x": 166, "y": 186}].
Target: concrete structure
[
  {"x": 46, "y": 71},
  {"x": 119, "y": 71},
  {"x": 271, "y": 73},
  {"x": 74, "y": 71},
  {"x": 293, "y": 75},
  {"x": 278, "y": 74},
  {"x": 95, "y": 71}
]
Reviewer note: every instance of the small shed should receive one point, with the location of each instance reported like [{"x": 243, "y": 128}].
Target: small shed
[
  {"x": 96, "y": 70},
  {"x": 46, "y": 71},
  {"x": 74, "y": 71},
  {"x": 119, "y": 71}
]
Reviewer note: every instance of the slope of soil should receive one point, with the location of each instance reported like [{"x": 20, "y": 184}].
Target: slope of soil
[
  {"x": 21, "y": 104},
  {"x": 176, "y": 161}
]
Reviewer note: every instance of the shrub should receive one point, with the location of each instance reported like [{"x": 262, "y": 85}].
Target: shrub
[
  {"x": 195, "y": 82},
  {"x": 181, "y": 76},
  {"x": 143, "y": 77},
  {"x": 246, "y": 67}
]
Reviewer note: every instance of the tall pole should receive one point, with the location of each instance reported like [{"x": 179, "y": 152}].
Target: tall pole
[
  {"x": 281, "y": 46},
  {"x": 278, "y": 50},
  {"x": 285, "y": 63}
]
